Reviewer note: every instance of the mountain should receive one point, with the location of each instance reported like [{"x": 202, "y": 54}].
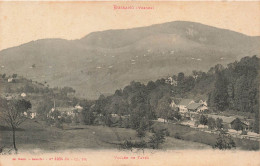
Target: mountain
[{"x": 102, "y": 62}]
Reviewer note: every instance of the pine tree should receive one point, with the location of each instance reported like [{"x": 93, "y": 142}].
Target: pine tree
[{"x": 220, "y": 94}]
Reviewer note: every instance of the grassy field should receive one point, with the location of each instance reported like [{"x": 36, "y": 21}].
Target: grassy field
[
  {"x": 36, "y": 135},
  {"x": 190, "y": 134}
]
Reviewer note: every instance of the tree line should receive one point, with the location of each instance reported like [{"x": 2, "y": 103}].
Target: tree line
[{"x": 237, "y": 88}]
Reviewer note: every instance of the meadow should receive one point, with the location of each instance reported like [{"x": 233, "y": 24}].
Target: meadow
[
  {"x": 36, "y": 135},
  {"x": 194, "y": 135}
]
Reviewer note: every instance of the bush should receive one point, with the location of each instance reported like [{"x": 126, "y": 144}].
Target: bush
[
  {"x": 224, "y": 141},
  {"x": 126, "y": 123},
  {"x": 157, "y": 138},
  {"x": 140, "y": 133},
  {"x": 87, "y": 117},
  {"x": 177, "y": 136},
  {"x": 211, "y": 123},
  {"x": 167, "y": 133},
  {"x": 108, "y": 120},
  {"x": 219, "y": 123},
  {"x": 203, "y": 120}
]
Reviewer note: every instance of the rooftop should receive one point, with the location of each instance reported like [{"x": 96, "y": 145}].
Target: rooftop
[
  {"x": 186, "y": 101},
  {"x": 193, "y": 106},
  {"x": 225, "y": 119}
]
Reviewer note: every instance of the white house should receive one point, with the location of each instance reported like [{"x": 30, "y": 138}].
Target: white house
[
  {"x": 66, "y": 110},
  {"x": 78, "y": 107},
  {"x": 10, "y": 80},
  {"x": 30, "y": 115},
  {"x": 33, "y": 115},
  {"x": 114, "y": 115},
  {"x": 23, "y": 94},
  {"x": 70, "y": 111}
]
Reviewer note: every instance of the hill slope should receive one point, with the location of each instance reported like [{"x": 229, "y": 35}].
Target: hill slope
[{"x": 104, "y": 61}]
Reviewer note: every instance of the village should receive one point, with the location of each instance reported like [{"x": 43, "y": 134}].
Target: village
[{"x": 190, "y": 111}]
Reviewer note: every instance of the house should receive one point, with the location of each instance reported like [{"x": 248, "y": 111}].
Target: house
[
  {"x": 23, "y": 94},
  {"x": 197, "y": 107},
  {"x": 10, "y": 80},
  {"x": 228, "y": 121},
  {"x": 78, "y": 107},
  {"x": 183, "y": 105},
  {"x": 171, "y": 81},
  {"x": 25, "y": 113},
  {"x": 194, "y": 107},
  {"x": 33, "y": 115},
  {"x": 30, "y": 115},
  {"x": 65, "y": 111},
  {"x": 115, "y": 115},
  {"x": 70, "y": 111},
  {"x": 244, "y": 125}
]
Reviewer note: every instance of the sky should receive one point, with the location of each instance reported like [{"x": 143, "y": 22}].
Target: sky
[{"x": 22, "y": 22}]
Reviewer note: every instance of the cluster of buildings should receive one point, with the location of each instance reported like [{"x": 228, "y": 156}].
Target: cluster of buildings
[
  {"x": 191, "y": 111},
  {"x": 186, "y": 106},
  {"x": 65, "y": 111},
  {"x": 229, "y": 121},
  {"x": 30, "y": 115}
]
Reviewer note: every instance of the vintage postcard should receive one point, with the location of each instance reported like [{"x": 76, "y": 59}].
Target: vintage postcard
[{"x": 129, "y": 83}]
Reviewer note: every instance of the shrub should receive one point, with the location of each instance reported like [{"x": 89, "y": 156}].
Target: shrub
[
  {"x": 203, "y": 120},
  {"x": 224, "y": 141},
  {"x": 211, "y": 123},
  {"x": 157, "y": 138},
  {"x": 177, "y": 136}
]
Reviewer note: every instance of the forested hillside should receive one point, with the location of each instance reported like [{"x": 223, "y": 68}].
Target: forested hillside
[
  {"x": 237, "y": 87},
  {"x": 234, "y": 87}
]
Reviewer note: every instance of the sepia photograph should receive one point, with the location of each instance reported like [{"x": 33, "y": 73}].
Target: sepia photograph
[{"x": 129, "y": 83}]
